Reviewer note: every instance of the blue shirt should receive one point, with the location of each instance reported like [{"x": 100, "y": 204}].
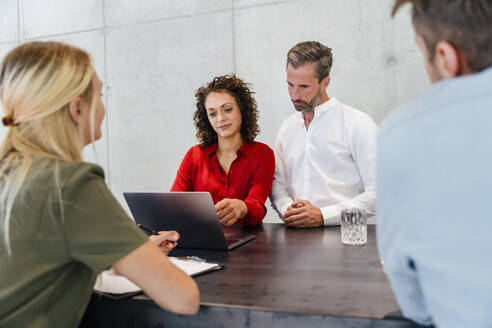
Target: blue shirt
[{"x": 434, "y": 186}]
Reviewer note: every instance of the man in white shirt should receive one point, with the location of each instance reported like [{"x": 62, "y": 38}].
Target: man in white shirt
[{"x": 326, "y": 152}]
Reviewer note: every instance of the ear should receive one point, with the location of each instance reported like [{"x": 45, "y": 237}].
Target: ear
[
  {"x": 447, "y": 60},
  {"x": 75, "y": 109},
  {"x": 325, "y": 82}
]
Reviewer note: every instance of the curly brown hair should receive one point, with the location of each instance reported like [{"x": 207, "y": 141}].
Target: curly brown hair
[{"x": 234, "y": 86}]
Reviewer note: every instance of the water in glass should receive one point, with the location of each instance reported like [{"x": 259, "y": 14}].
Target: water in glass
[{"x": 353, "y": 224}]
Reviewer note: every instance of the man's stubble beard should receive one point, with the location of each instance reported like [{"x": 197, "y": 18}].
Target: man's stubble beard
[{"x": 308, "y": 107}]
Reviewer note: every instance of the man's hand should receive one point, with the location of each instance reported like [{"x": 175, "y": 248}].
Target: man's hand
[
  {"x": 230, "y": 210},
  {"x": 166, "y": 240},
  {"x": 302, "y": 214}
]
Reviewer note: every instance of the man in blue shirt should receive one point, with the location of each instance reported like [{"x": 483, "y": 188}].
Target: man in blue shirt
[{"x": 435, "y": 172}]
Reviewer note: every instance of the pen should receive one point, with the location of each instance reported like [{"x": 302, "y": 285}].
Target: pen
[
  {"x": 155, "y": 233},
  {"x": 148, "y": 230}
]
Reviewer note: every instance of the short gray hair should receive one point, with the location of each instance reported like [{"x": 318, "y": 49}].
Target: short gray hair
[
  {"x": 312, "y": 52},
  {"x": 464, "y": 24}
]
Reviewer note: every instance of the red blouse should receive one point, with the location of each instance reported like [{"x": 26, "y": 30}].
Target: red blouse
[{"x": 250, "y": 176}]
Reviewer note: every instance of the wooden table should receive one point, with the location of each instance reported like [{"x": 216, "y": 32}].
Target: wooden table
[{"x": 284, "y": 278}]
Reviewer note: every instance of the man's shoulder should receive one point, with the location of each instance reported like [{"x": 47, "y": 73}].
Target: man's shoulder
[
  {"x": 446, "y": 98},
  {"x": 350, "y": 118},
  {"x": 292, "y": 119},
  {"x": 352, "y": 113},
  {"x": 401, "y": 117},
  {"x": 290, "y": 122}
]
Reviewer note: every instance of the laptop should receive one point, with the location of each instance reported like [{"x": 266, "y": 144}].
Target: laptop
[{"x": 192, "y": 214}]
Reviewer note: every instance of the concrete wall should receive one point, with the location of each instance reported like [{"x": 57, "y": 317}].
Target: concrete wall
[{"x": 153, "y": 54}]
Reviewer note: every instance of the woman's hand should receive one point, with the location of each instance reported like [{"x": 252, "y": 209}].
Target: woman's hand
[
  {"x": 230, "y": 210},
  {"x": 166, "y": 240}
]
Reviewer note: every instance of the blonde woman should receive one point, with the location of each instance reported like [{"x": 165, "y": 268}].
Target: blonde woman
[{"x": 59, "y": 224}]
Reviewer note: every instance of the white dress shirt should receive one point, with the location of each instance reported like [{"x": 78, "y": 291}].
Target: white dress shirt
[{"x": 332, "y": 164}]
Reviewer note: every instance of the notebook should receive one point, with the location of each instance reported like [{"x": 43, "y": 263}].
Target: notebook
[
  {"x": 192, "y": 214},
  {"x": 116, "y": 286}
]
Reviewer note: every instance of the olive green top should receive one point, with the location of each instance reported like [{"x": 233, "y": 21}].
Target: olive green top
[{"x": 65, "y": 228}]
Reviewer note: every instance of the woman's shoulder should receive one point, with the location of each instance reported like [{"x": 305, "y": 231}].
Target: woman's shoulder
[
  {"x": 261, "y": 152},
  {"x": 66, "y": 173},
  {"x": 198, "y": 148},
  {"x": 260, "y": 147},
  {"x": 201, "y": 150},
  {"x": 42, "y": 166},
  {"x": 55, "y": 174},
  {"x": 196, "y": 154},
  {"x": 81, "y": 170},
  {"x": 81, "y": 178}
]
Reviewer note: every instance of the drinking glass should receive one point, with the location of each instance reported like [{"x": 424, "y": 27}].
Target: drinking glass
[{"x": 353, "y": 223}]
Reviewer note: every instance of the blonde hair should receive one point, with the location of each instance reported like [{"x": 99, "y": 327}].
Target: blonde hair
[{"x": 38, "y": 80}]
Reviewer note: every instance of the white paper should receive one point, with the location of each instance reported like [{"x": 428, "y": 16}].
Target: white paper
[
  {"x": 191, "y": 267},
  {"x": 109, "y": 281}
]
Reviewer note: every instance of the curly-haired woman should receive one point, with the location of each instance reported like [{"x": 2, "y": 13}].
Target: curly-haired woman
[{"x": 228, "y": 163}]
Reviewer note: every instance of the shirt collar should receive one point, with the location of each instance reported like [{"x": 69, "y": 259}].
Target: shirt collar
[
  {"x": 245, "y": 149},
  {"x": 326, "y": 105},
  {"x": 210, "y": 150},
  {"x": 323, "y": 108}
]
